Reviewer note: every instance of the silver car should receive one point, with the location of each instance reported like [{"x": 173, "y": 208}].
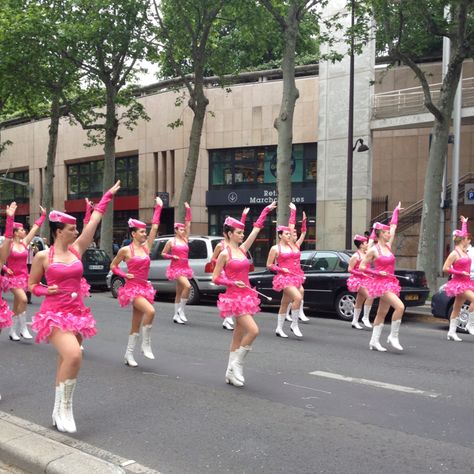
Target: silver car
[{"x": 201, "y": 248}]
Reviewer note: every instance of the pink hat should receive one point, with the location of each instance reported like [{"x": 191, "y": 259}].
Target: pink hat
[
  {"x": 231, "y": 222},
  {"x": 132, "y": 223},
  {"x": 179, "y": 225},
  {"x": 17, "y": 225},
  {"x": 283, "y": 228},
  {"x": 460, "y": 233},
  {"x": 57, "y": 216},
  {"x": 380, "y": 226},
  {"x": 360, "y": 238}
]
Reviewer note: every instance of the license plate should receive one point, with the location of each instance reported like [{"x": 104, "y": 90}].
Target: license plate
[
  {"x": 96, "y": 267},
  {"x": 412, "y": 297}
]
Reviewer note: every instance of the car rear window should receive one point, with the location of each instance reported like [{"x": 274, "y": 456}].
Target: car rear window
[
  {"x": 94, "y": 257},
  {"x": 157, "y": 249},
  {"x": 197, "y": 249},
  {"x": 325, "y": 262}
]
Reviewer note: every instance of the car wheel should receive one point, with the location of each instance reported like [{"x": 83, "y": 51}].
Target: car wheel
[
  {"x": 345, "y": 305},
  {"x": 117, "y": 283},
  {"x": 463, "y": 317},
  {"x": 193, "y": 297}
]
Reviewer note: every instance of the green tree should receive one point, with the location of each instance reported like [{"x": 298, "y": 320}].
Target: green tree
[{"x": 405, "y": 30}]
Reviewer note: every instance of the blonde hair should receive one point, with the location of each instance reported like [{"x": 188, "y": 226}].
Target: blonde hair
[{"x": 458, "y": 239}]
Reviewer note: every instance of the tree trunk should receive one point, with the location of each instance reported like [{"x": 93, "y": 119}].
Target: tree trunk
[
  {"x": 47, "y": 201},
  {"x": 111, "y": 129},
  {"x": 199, "y": 109},
  {"x": 284, "y": 121}
]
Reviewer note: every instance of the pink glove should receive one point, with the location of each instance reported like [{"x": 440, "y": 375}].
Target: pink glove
[
  {"x": 244, "y": 217},
  {"x": 5, "y": 269},
  {"x": 357, "y": 272},
  {"x": 260, "y": 222},
  {"x": 275, "y": 268},
  {"x": 395, "y": 213},
  {"x": 9, "y": 227},
  {"x": 102, "y": 205},
  {"x": 187, "y": 217},
  {"x": 303, "y": 226},
  {"x": 40, "y": 220},
  {"x": 224, "y": 281},
  {"x": 156, "y": 215},
  {"x": 88, "y": 214},
  {"x": 292, "y": 219},
  {"x": 371, "y": 272},
  {"x": 452, "y": 271},
  {"x": 464, "y": 227},
  {"x": 168, "y": 256},
  {"x": 40, "y": 290},
  {"x": 116, "y": 271}
]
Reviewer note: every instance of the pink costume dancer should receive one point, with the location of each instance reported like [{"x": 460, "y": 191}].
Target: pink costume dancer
[
  {"x": 239, "y": 300},
  {"x": 458, "y": 264},
  {"x": 288, "y": 279},
  {"x": 138, "y": 291},
  {"x": 358, "y": 283},
  {"x": 16, "y": 275},
  {"x": 63, "y": 320},
  {"x": 177, "y": 250},
  {"x": 384, "y": 284},
  {"x": 5, "y": 312}
]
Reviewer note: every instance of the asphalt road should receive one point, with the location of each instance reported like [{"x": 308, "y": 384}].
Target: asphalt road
[{"x": 298, "y": 413}]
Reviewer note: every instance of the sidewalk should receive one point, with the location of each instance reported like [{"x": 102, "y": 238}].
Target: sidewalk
[{"x": 34, "y": 449}]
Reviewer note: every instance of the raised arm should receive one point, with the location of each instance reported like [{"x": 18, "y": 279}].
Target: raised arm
[
  {"x": 87, "y": 235},
  {"x": 187, "y": 220},
  {"x": 394, "y": 222},
  {"x": 302, "y": 236},
  {"x": 257, "y": 227},
  {"x": 155, "y": 222},
  {"x": 6, "y": 245},
  {"x": 243, "y": 218},
  {"x": 89, "y": 209},
  {"x": 35, "y": 227},
  {"x": 292, "y": 219}
]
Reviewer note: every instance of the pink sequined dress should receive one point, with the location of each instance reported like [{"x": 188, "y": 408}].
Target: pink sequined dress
[
  {"x": 379, "y": 284},
  {"x": 458, "y": 284},
  {"x": 355, "y": 282},
  {"x": 5, "y": 312},
  {"x": 291, "y": 261},
  {"x": 139, "y": 267},
  {"x": 181, "y": 266},
  {"x": 238, "y": 301},
  {"x": 17, "y": 262},
  {"x": 62, "y": 310}
]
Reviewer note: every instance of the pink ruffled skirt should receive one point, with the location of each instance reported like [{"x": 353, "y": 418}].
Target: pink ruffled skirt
[
  {"x": 457, "y": 286},
  {"x": 378, "y": 286},
  {"x": 237, "y": 302},
  {"x": 131, "y": 290},
  {"x": 5, "y": 314},
  {"x": 78, "y": 321},
  {"x": 13, "y": 281},
  {"x": 284, "y": 280},
  {"x": 173, "y": 272},
  {"x": 355, "y": 283}
]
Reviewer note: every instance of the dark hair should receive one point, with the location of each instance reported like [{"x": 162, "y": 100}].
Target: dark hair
[
  {"x": 53, "y": 228},
  {"x": 227, "y": 229},
  {"x": 378, "y": 232},
  {"x": 131, "y": 230},
  {"x": 358, "y": 243}
]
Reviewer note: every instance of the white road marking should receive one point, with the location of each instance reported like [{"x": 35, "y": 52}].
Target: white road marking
[
  {"x": 307, "y": 388},
  {"x": 375, "y": 383}
]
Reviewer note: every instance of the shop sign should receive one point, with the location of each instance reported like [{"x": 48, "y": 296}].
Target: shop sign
[{"x": 469, "y": 193}]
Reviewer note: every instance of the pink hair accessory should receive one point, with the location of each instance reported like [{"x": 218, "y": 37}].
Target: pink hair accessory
[
  {"x": 360, "y": 238},
  {"x": 58, "y": 216},
  {"x": 136, "y": 223},
  {"x": 17, "y": 225},
  {"x": 41, "y": 219},
  {"x": 463, "y": 231},
  {"x": 283, "y": 228},
  {"x": 179, "y": 225},
  {"x": 380, "y": 226},
  {"x": 232, "y": 222}
]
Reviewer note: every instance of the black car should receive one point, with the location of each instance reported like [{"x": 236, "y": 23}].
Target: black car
[
  {"x": 442, "y": 307},
  {"x": 325, "y": 286},
  {"x": 96, "y": 265}
]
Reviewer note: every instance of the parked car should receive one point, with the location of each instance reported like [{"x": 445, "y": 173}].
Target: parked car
[
  {"x": 96, "y": 265},
  {"x": 325, "y": 286},
  {"x": 442, "y": 307},
  {"x": 201, "y": 248}
]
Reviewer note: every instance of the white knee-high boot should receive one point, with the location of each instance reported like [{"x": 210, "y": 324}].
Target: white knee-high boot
[
  {"x": 24, "y": 333},
  {"x": 132, "y": 342},
  {"x": 13, "y": 333},
  {"x": 279, "y": 329},
  {"x": 228, "y": 323},
  {"x": 303, "y": 316},
  {"x": 238, "y": 363},
  {"x": 295, "y": 313},
  {"x": 182, "y": 304},
  {"x": 365, "y": 318},
  {"x": 57, "y": 400},
  {"x": 65, "y": 417},
  {"x": 470, "y": 323},
  {"x": 355, "y": 319},
  {"x": 452, "y": 331},
  {"x": 146, "y": 342},
  {"x": 230, "y": 377},
  {"x": 375, "y": 339},
  {"x": 393, "y": 336},
  {"x": 288, "y": 314}
]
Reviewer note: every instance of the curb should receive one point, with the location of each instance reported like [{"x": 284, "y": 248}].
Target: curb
[{"x": 36, "y": 449}]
